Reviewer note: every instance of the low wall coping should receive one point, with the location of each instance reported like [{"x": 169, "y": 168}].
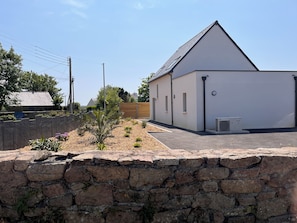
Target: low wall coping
[{"x": 148, "y": 156}]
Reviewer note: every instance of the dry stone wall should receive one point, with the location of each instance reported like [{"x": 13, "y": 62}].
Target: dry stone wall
[
  {"x": 165, "y": 186},
  {"x": 16, "y": 134}
]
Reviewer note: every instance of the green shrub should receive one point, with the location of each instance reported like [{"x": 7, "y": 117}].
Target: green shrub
[
  {"x": 137, "y": 145},
  {"x": 143, "y": 124},
  {"x": 138, "y": 139},
  {"x": 101, "y": 146},
  {"x": 7, "y": 118},
  {"x": 127, "y": 135},
  {"x": 45, "y": 144},
  {"x": 128, "y": 129}
]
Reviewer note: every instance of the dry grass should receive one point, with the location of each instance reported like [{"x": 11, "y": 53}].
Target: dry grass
[{"x": 118, "y": 141}]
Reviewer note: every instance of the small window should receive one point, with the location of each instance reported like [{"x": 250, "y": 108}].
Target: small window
[
  {"x": 166, "y": 103},
  {"x": 157, "y": 91},
  {"x": 184, "y": 102}
]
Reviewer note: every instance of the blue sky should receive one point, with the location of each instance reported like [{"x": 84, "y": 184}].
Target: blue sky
[{"x": 133, "y": 38}]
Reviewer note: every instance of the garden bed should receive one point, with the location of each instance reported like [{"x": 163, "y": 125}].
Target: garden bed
[{"x": 119, "y": 140}]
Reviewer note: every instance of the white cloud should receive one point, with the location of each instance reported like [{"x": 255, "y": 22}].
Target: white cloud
[
  {"x": 145, "y": 4},
  {"x": 77, "y": 7},
  {"x": 75, "y": 3}
]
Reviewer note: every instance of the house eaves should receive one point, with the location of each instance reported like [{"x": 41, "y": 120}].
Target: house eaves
[{"x": 183, "y": 50}]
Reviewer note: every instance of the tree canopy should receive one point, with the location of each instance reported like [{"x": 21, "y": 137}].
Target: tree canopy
[
  {"x": 32, "y": 81},
  {"x": 143, "y": 89},
  {"x": 10, "y": 70}
]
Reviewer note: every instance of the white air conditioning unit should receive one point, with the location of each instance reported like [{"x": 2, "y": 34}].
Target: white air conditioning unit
[{"x": 228, "y": 124}]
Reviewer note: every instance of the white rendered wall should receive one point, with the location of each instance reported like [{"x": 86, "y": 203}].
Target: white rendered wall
[
  {"x": 215, "y": 51},
  {"x": 185, "y": 84},
  {"x": 164, "y": 89},
  {"x": 262, "y": 99}
]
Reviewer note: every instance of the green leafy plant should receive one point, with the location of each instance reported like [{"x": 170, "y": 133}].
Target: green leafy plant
[
  {"x": 45, "y": 144},
  {"x": 127, "y": 135},
  {"x": 134, "y": 122},
  {"x": 143, "y": 124},
  {"x": 128, "y": 129},
  {"x": 137, "y": 145},
  {"x": 138, "y": 139},
  {"x": 101, "y": 146}
]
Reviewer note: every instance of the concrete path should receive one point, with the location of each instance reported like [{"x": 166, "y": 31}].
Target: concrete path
[{"x": 176, "y": 138}]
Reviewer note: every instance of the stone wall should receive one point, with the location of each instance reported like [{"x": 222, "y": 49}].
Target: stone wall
[
  {"x": 163, "y": 186},
  {"x": 16, "y": 134}
]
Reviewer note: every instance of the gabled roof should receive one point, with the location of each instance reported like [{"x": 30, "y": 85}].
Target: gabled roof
[
  {"x": 31, "y": 99},
  {"x": 183, "y": 50},
  {"x": 92, "y": 102}
]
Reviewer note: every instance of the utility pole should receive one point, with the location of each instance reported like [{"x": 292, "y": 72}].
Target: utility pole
[
  {"x": 104, "y": 90},
  {"x": 70, "y": 87}
]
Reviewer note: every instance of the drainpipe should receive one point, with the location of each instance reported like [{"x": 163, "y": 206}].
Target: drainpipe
[
  {"x": 295, "y": 79},
  {"x": 171, "y": 99},
  {"x": 204, "y": 102}
]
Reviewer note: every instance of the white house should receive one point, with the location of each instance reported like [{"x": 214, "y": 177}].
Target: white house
[{"x": 210, "y": 84}]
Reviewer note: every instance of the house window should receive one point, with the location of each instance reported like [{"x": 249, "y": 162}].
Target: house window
[
  {"x": 157, "y": 90},
  {"x": 166, "y": 103},
  {"x": 184, "y": 102}
]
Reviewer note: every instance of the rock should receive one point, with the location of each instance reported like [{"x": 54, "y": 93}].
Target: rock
[
  {"x": 272, "y": 207},
  {"x": 77, "y": 174},
  {"x": 45, "y": 171},
  {"x": 212, "y": 173},
  {"x": 241, "y": 186},
  {"x": 95, "y": 195},
  {"x": 105, "y": 174},
  {"x": 148, "y": 177},
  {"x": 240, "y": 163},
  {"x": 210, "y": 186}
]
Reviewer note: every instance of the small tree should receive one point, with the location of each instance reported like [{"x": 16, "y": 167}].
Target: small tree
[
  {"x": 10, "y": 70},
  {"x": 143, "y": 89},
  {"x": 112, "y": 101}
]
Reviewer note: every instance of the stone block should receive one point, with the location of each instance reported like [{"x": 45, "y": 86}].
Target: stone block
[
  {"x": 191, "y": 163},
  {"x": 210, "y": 186},
  {"x": 123, "y": 216},
  {"x": 83, "y": 216},
  {"x": 22, "y": 161},
  {"x": 105, "y": 174},
  {"x": 12, "y": 179},
  {"x": 213, "y": 173},
  {"x": 77, "y": 174},
  {"x": 241, "y": 186},
  {"x": 271, "y": 208},
  {"x": 95, "y": 195},
  {"x": 45, "y": 171},
  {"x": 148, "y": 177},
  {"x": 246, "y": 199},
  {"x": 185, "y": 190},
  {"x": 243, "y": 219},
  {"x": 280, "y": 165},
  {"x": 183, "y": 176},
  {"x": 240, "y": 163},
  {"x": 201, "y": 201},
  {"x": 220, "y": 202},
  {"x": 171, "y": 216},
  {"x": 53, "y": 190},
  {"x": 63, "y": 201},
  {"x": 245, "y": 173}
]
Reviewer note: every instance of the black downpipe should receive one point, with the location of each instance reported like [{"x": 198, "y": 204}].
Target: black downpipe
[
  {"x": 295, "y": 78},
  {"x": 204, "y": 102}
]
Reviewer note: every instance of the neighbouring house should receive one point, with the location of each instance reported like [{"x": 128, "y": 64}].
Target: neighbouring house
[
  {"x": 31, "y": 101},
  {"x": 92, "y": 102},
  {"x": 210, "y": 84}
]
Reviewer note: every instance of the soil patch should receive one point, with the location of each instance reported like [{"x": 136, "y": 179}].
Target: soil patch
[{"x": 118, "y": 140}]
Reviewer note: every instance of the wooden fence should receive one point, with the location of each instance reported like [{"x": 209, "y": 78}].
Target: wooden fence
[{"x": 135, "y": 110}]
